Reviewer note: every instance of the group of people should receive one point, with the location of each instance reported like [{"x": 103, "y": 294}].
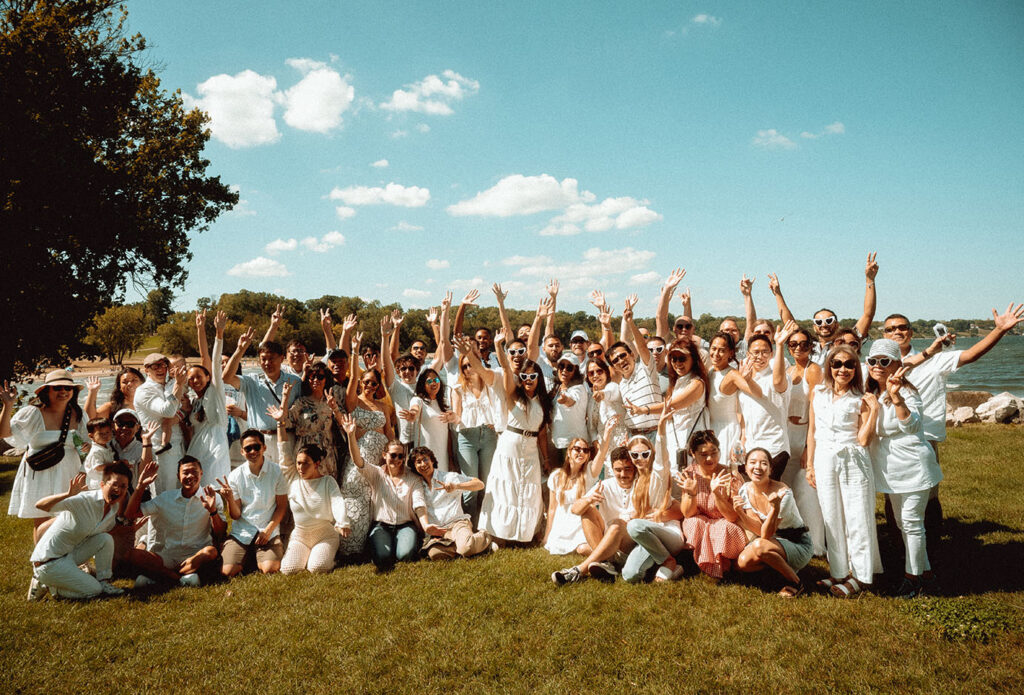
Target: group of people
[{"x": 641, "y": 455}]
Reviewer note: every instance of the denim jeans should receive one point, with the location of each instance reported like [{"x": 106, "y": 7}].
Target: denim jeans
[
  {"x": 390, "y": 544},
  {"x": 475, "y": 449},
  {"x": 654, "y": 544}
]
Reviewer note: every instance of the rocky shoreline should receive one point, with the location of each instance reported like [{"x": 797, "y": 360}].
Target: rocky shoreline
[{"x": 964, "y": 407}]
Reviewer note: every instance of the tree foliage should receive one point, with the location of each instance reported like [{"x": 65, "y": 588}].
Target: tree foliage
[
  {"x": 101, "y": 173},
  {"x": 118, "y": 331},
  {"x": 158, "y": 306}
]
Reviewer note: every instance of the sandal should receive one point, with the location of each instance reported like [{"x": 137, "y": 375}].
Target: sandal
[
  {"x": 851, "y": 588},
  {"x": 664, "y": 574},
  {"x": 830, "y": 582},
  {"x": 792, "y": 590}
]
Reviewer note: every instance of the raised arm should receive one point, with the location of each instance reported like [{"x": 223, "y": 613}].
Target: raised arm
[
  {"x": 147, "y": 476},
  {"x": 396, "y": 321},
  {"x": 468, "y": 348},
  {"x": 327, "y": 325},
  {"x": 779, "y": 379},
  {"x": 507, "y": 376},
  {"x": 93, "y": 386},
  {"x": 460, "y": 315},
  {"x": 501, "y": 295},
  {"x": 351, "y": 393},
  {"x": 868, "y": 418},
  {"x": 870, "y": 271},
  {"x": 602, "y": 450},
  {"x": 750, "y": 313},
  {"x": 204, "y": 346},
  {"x": 661, "y": 327},
  {"x": 275, "y": 323},
  {"x": 432, "y": 322},
  {"x": 230, "y": 371},
  {"x": 552, "y": 290},
  {"x": 639, "y": 344},
  {"x": 773, "y": 284},
  {"x": 1004, "y": 323},
  {"x": 387, "y": 330},
  {"x": 347, "y": 326},
  {"x": 9, "y": 397},
  {"x": 533, "y": 342},
  {"x": 444, "y": 343}
]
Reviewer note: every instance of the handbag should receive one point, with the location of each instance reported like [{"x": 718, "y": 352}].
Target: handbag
[{"x": 51, "y": 454}]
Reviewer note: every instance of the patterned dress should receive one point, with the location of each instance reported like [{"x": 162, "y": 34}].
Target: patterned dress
[
  {"x": 313, "y": 423},
  {"x": 353, "y": 485},
  {"x": 716, "y": 542}
]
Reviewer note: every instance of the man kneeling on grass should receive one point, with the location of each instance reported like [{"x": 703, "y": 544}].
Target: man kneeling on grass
[
  {"x": 182, "y": 523},
  {"x": 78, "y": 533},
  {"x": 605, "y": 511}
]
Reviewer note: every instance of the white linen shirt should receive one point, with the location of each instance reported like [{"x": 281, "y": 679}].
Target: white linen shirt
[
  {"x": 79, "y": 517},
  {"x": 930, "y": 379},
  {"x": 394, "y": 502},
  {"x": 765, "y": 419},
  {"x": 902, "y": 458},
  {"x": 444, "y": 508},
  {"x": 257, "y": 493},
  {"x": 641, "y": 388},
  {"x": 181, "y": 525},
  {"x": 156, "y": 402}
]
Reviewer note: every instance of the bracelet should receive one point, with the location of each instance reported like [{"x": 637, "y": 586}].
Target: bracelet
[{"x": 147, "y": 445}]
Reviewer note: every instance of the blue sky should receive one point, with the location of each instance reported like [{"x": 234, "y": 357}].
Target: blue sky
[{"x": 395, "y": 150}]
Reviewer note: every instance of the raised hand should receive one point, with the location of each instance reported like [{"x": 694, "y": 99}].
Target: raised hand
[
  {"x": 499, "y": 338},
  {"x": 721, "y": 485},
  {"x": 220, "y": 320},
  {"x": 773, "y": 283},
  {"x": 148, "y": 474},
  {"x": 687, "y": 482},
  {"x": 201, "y": 319},
  {"x": 470, "y": 298},
  {"x": 674, "y": 278},
  {"x": 746, "y": 285},
  {"x": 406, "y": 415},
  {"x": 332, "y": 403},
  {"x": 326, "y": 322},
  {"x": 387, "y": 327},
  {"x": 609, "y": 426},
  {"x": 871, "y": 267},
  {"x": 870, "y": 400},
  {"x": 245, "y": 340},
  {"x": 276, "y": 412},
  {"x": 894, "y": 383},
  {"x": 9, "y": 394},
  {"x": 782, "y": 333},
  {"x": 545, "y": 307},
  {"x": 432, "y": 314},
  {"x": 446, "y": 300},
  {"x": 357, "y": 339},
  {"x": 92, "y": 383},
  {"x": 178, "y": 373},
  {"x": 605, "y": 317},
  {"x": 348, "y": 423},
  {"x": 1010, "y": 318},
  {"x": 147, "y": 436},
  {"x": 77, "y": 485},
  {"x": 684, "y": 297},
  {"x": 500, "y": 294},
  {"x": 350, "y": 322},
  {"x": 224, "y": 490},
  {"x": 552, "y": 288},
  {"x": 209, "y": 499},
  {"x": 275, "y": 318},
  {"x": 631, "y": 301},
  {"x": 597, "y": 299},
  {"x": 286, "y": 392}
]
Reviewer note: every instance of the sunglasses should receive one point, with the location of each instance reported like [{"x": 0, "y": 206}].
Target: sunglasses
[
  {"x": 371, "y": 384},
  {"x": 619, "y": 357},
  {"x": 530, "y": 377},
  {"x": 566, "y": 367},
  {"x": 798, "y": 345},
  {"x": 848, "y": 364},
  {"x": 124, "y": 423},
  {"x": 318, "y": 377},
  {"x": 595, "y": 353},
  {"x": 679, "y": 357},
  {"x": 902, "y": 328},
  {"x": 62, "y": 388},
  {"x": 879, "y": 361},
  {"x": 252, "y": 448},
  {"x": 414, "y": 348},
  {"x": 516, "y": 352},
  {"x": 825, "y": 322},
  {"x": 683, "y": 326},
  {"x": 433, "y": 380},
  {"x": 640, "y": 455},
  {"x": 394, "y": 457},
  {"x": 467, "y": 366},
  {"x": 657, "y": 349},
  {"x": 577, "y": 340},
  {"x": 578, "y": 449}
]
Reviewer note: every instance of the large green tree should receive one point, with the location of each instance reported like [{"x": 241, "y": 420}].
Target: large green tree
[
  {"x": 101, "y": 174},
  {"x": 118, "y": 331}
]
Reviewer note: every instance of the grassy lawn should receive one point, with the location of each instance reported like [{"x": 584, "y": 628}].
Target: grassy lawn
[{"x": 497, "y": 624}]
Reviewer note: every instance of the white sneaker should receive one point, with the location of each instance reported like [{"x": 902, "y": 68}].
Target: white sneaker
[
  {"x": 142, "y": 581},
  {"x": 495, "y": 547},
  {"x": 189, "y": 579},
  {"x": 36, "y": 590},
  {"x": 109, "y": 589}
]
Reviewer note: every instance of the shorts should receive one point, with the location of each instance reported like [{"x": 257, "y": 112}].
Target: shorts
[{"x": 234, "y": 552}]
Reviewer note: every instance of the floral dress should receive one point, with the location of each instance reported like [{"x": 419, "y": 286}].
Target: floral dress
[
  {"x": 313, "y": 423},
  {"x": 354, "y": 487}
]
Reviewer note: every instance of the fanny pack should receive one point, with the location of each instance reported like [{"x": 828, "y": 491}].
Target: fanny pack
[{"x": 51, "y": 454}]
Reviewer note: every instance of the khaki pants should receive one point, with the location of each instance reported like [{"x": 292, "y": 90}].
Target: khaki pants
[{"x": 466, "y": 542}]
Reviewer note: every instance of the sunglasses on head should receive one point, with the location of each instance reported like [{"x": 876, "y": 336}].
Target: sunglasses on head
[
  {"x": 530, "y": 376},
  {"x": 640, "y": 455},
  {"x": 901, "y": 327},
  {"x": 879, "y": 361},
  {"x": 656, "y": 349},
  {"x": 825, "y": 322},
  {"x": 683, "y": 325},
  {"x": 798, "y": 345},
  {"x": 848, "y": 364},
  {"x": 516, "y": 352}
]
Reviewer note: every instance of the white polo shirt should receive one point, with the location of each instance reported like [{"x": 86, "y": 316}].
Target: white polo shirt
[
  {"x": 929, "y": 378},
  {"x": 79, "y": 517},
  {"x": 444, "y": 508},
  {"x": 258, "y": 495}
]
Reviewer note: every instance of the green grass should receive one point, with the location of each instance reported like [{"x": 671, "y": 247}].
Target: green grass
[{"x": 497, "y": 624}]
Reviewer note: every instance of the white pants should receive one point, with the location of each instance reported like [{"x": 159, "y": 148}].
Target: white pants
[
  {"x": 908, "y": 508},
  {"x": 167, "y": 475},
  {"x": 63, "y": 577},
  {"x": 846, "y": 493},
  {"x": 806, "y": 498},
  {"x": 311, "y": 549}
]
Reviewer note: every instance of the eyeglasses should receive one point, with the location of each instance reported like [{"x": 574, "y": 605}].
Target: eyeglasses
[
  {"x": 656, "y": 349},
  {"x": 879, "y": 361},
  {"x": 901, "y": 327},
  {"x": 595, "y": 353},
  {"x": 640, "y": 455},
  {"x": 595, "y": 372},
  {"x": 516, "y": 352},
  {"x": 252, "y": 448},
  {"x": 394, "y": 457},
  {"x": 683, "y": 326},
  {"x": 433, "y": 380},
  {"x": 825, "y": 322},
  {"x": 62, "y": 388},
  {"x": 798, "y": 345},
  {"x": 618, "y": 357},
  {"x": 848, "y": 364},
  {"x": 530, "y": 377},
  {"x": 578, "y": 449}
]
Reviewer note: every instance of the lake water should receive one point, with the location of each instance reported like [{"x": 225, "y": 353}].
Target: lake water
[{"x": 1002, "y": 369}]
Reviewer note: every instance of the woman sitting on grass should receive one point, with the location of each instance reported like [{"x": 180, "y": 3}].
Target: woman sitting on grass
[{"x": 767, "y": 509}]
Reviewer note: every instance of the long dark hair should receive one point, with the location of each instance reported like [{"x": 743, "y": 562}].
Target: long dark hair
[
  {"x": 117, "y": 396},
  {"x": 43, "y": 401},
  {"x": 519, "y": 394},
  {"x": 318, "y": 368},
  {"x": 730, "y": 344},
  {"x": 697, "y": 368},
  {"x": 421, "y": 389}
]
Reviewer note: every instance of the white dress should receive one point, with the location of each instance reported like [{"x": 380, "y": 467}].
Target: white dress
[
  {"x": 429, "y": 431},
  {"x": 806, "y": 497},
  {"x": 566, "y": 528},
  {"x": 599, "y": 412},
  {"x": 725, "y": 414},
  {"x": 210, "y": 435},
  {"x": 29, "y": 430},
  {"x": 683, "y": 420},
  {"x": 513, "y": 503}
]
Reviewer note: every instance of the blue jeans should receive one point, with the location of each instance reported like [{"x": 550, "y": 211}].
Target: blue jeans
[
  {"x": 390, "y": 544},
  {"x": 654, "y": 545},
  {"x": 475, "y": 449}
]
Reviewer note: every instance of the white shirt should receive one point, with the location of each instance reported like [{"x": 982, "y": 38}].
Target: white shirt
[
  {"x": 154, "y": 403},
  {"x": 570, "y": 421},
  {"x": 393, "y": 501},
  {"x": 444, "y": 508},
  {"x": 476, "y": 411},
  {"x": 97, "y": 458},
  {"x": 257, "y": 494},
  {"x": 764, "y": 419},
  {"x": 641, "y": 388},
  {"x": 402, "y": 395},
  {"x": 618, "y": 500},
  {"x": 181, "y": 525},
  {"x": 930, "y": 379},
  {"x": 789, "y": 514},
  {"x": 79, "y": 517},
  {"x": 902, "y": 458}
]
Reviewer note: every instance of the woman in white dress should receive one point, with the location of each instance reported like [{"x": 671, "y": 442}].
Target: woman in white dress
[
  {"x": 513, "y": 500},
  {"x": 690, "y": 394},
  {"x": 430, "y": 416},
  {"x": 569, "y": 403},
  {"x": 726, "y": 383},
  {"x": 605, "y": 406},
  {"x": 34, "y": 427},
  {"x": 579, "y": 473},
  {"x": 209, "y": 414}
]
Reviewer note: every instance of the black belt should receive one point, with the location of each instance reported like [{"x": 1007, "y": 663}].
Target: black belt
[{"x": 525, "y": 433}]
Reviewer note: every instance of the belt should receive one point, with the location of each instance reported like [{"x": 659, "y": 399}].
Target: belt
[
  {"x": 524, "y": 433},
  {"x": 646, "y": 430},
  {"x": 793, "y": 535}
]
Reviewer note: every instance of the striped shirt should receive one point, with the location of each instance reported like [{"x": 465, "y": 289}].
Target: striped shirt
[{"x": 641, "y": 388}]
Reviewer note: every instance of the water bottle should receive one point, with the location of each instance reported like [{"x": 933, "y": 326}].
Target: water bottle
[{"x": 736, "y": 457}]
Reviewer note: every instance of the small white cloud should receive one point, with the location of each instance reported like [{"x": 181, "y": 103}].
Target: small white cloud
[
  {"x": 432, "y": 95},
  {"x": 380, "y": 164},
  {"x": 639, "y": 216},
  {"x": 325, "y": 243},
  {"x": 391, "y": 194},
  {"x": 423, "y": 128},
  {"x": 437, "y": 264},
  {"x": 241, "y": 208},
  {"x": 527, "y": 260},
  {"x": 411, "y": 293},
  {"x": 281, "y": 245},
  {"x": 836, "y": 128},
  {"x": 706, "y": 20},
  {"x": 647, "y": 278},
  {"x": 522, "y": 195},
  {"x": 406, "y": 227},
  {"x": 260, "y": 267},
  {"x": 772, "y": 139},
  {"x": 317, "y": 101},
  {"x": 399, "y": 133},
  {"x": 809, "y": 136},
  {"x": 344, "y": 212},
  {"x": 560, "y": 230},
  {"x": 241, "y": 108}
]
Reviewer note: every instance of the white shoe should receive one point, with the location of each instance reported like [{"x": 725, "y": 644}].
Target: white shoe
[
  {"x": 108, "y": 589},
  {"x": 142, "y": 581},
  {"x": 495, "y": 547},
  {"x": 189, "y": 579},
  {"x": 36, "y": 590}
]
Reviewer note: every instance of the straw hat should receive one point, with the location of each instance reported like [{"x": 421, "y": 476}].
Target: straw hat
[{"x": 58, "y": 377}]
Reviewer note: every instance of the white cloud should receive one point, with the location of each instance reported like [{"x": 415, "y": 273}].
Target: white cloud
[
  {"x": 560, "y": 230},
  {"x": 406, "y": 227},
  {"x": 706, "y": 20},
  {"x": 241, "y": 208},
  {"x": 596, "y": 266},
  {"x": 411, "y": 293},
  {"x": 522, "y": 195},
  {"x": 639, "y": 216},
  {"x": 325, "y": 243},
  {"x": 281, "y": 245},
  {"x": 621, "y": 213},
  {"x": 260, "y": 267},
  {"x": 772, "y": 139},
  {"x": 241, "y": 108},
  {"x": 399, "y": 133},
  {"x": 809, "y": 136},
  {"x": 317, "y": 101},
  {"x": 380, "y": 164},
  {"x": 647, "y": 278},
  {"x": 423, "y": 128},
  {"x": 392, "y": 194},
  {"x": 436, "y": 264},
  {"x": 432, "y": 94},
  {"x": 836, "y": 128},
  {"x": 527, "y": 260},
  {"x": 344, "y": 212}
]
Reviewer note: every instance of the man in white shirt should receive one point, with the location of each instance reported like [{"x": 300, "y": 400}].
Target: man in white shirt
[
  {"x": 79, "y": 532},
  {"x": 638, "y": 381},
  {"x": 447, "y": 525},
  {"x": 256, "y": 495},
  {"x": 157, "y": 400},
  {"x": 182, "y": 521}
]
